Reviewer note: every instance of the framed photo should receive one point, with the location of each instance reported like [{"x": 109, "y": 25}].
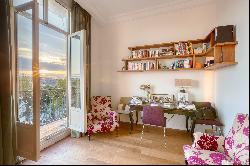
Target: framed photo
[{"x": 182, "y": 97}]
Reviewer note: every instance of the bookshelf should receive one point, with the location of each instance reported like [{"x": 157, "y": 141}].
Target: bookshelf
[{"x": 184, "y": 55}]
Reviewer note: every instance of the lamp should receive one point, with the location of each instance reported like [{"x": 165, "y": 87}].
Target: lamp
[{"x": 183, "y": 83}]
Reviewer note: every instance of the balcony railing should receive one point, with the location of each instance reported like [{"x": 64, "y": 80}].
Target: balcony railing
[{"x": 52, "y": 106}]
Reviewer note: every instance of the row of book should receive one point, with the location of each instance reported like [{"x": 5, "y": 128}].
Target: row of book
[
  {"x": 141, "y": 65},
  {"x": 181, "y": 48},
  {"x": 152, "y": 52},
  {"x": 177, "y": 64}
]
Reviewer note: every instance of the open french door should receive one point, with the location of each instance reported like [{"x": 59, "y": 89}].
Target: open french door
[
  {"x": 77, "y": 81},
  {"x": 27, "y": 80}
]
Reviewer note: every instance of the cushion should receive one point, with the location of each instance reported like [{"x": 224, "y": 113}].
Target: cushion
[
  {"x": 208, "y": 142},
  {"x": 120, "y": 107},
  {"x": 196, "y": 156},
  {"x": 97, "y": 126},
  {"x": 127, "y": 108}
]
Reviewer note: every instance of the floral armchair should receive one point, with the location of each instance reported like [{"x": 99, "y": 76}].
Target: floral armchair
[
  {"x": 101, "y": 118},
  {"x": 218, "y": 150}
]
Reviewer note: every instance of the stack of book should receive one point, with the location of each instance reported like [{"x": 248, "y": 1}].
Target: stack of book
[
  {"x": 141, "y": 65},
  {"x": 182, "y": 48}
]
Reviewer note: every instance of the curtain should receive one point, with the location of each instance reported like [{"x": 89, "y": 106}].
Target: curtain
[
  {"x": 81, "y": 19},
  {"x": 7, "y": 112}
]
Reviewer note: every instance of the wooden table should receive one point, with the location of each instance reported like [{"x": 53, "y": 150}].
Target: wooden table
[{"x": 174, "y": 111}]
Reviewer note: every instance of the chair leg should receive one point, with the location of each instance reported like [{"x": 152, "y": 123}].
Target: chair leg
[
  {"x": 89, "y": 136},
  {"x": 165, "y": 140},
  {"x": 117, "y": 131},
  {"x": 192, "y": 129},
  {"x": 142, "y": 132}
]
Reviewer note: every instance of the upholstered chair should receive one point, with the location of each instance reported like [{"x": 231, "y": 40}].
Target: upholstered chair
[
  {"x": 154, "y": 116},
  {"x": 101, "y": 118},
  {"x": 218, "y": 150}
]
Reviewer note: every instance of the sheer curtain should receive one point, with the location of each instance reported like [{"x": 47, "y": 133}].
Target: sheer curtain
[
  {"x": 7, "y": 111},
  {"x": 81, "y": 19}
]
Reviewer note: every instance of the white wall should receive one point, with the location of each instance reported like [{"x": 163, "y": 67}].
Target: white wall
[
  {"x": 115, "y": 39},
  {"x": 95, "y": 58},
  {"x": 228, "y": 88},
  {"x": 232, "y": 84}
]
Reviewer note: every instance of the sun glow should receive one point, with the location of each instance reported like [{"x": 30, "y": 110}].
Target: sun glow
[{"x": 44, "y": 73}]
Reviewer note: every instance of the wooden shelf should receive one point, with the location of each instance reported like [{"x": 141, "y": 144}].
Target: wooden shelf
[
  {"x": 208, "y": 53},
  {"x": 130, "y": 71},
  {"x": 139, "y": 59},
  {"x": 165, "y": 57},
  {"x": 220, "y": 65},
  {"x": 159, "y": 70},
  {"x": 218, "y": 51},
  {"x": 212, "y": 67}
]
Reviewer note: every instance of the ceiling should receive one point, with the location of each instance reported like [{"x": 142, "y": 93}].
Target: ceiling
[{"x": 112, "y": 10}]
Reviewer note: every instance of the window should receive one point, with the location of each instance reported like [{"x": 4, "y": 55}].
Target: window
[
  {"x": 20, "y": 2},
  {"x": 41, "y": 3},
  {"x": 53, "y": 70},
  {"x": 58, "y": 15},
  {"x": 75, "y": 43},
  {"x": 24, "y": 70},
  {"x": 52, "y": 59}
]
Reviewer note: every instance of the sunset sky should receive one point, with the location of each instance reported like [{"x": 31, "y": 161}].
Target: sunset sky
[{"x": 53, "y": 48}]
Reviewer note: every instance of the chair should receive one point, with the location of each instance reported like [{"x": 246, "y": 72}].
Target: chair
[
  {"x": 101, "y": 118},
  {"x": 206, "y": 115},
  {"x": 154, "y": 116},
  {"x": 123, "y": 102},
  {"x": 218, "y": 150}
]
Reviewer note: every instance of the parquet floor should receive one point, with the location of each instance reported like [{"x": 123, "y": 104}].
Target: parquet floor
[{"x": 125, "y": 149}]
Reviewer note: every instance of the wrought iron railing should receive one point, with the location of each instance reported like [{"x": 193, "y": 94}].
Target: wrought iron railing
[{"x": 52, "y": 106}]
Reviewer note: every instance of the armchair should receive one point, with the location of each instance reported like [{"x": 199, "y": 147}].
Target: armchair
[
  {"x": 101, "y": 118},
  {"x": 218, "y": 150}
]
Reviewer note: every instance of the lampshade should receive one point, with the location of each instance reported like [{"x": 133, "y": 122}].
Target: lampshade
[{"x": 183, "y": 82}]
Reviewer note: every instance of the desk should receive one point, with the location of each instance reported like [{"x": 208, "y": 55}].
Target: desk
[{"x": 175, "y": 111}]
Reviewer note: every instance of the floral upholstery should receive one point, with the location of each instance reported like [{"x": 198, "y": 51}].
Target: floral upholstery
[
  {"x": 218, "y": 150},
  {"x": 208, "y": 142},
  {"x": 101, "y": 118},
  {"x": 196, "y": 156}
]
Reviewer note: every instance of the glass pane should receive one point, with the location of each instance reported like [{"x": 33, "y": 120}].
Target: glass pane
[
  {"x": 53, "y": 70},
  {"x": 75, "y": 69},
  {"x": 40, "y": 9},
  {"x": 58, "y": 15},
  {"x": 24, "y": 70},
  {"x": 20, "y": 2}
]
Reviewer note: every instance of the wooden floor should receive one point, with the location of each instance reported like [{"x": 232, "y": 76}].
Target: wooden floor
[{"x": 124, "y": 149}]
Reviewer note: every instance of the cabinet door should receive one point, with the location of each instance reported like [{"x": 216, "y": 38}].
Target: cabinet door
[
  {"x": 27, "y": 80},
  {"x": 77, "y": 81}
]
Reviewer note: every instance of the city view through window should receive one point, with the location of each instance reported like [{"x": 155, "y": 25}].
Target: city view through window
[{"x": 53, "y": 70}]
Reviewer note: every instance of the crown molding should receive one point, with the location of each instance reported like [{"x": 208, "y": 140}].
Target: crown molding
[
  {"x": 174, "y": 6},
  {"x": 86, "y": 4}
]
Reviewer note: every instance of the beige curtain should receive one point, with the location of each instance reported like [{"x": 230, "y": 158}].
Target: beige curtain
[
  {"x": 7, "y": 112},
  {"x": 81, "y": 19}
]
